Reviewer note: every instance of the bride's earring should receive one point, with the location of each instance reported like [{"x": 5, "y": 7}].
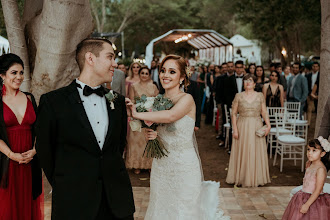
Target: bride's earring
[{"x": 181, "y": 82}]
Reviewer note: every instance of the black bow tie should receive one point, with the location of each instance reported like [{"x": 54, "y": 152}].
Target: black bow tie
[
  {"x": 88, "y": 90},
  {"x": 239, "y": 77}
]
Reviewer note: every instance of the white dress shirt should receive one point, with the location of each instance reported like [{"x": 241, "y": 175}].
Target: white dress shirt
[
  {"x": 314, "y": 78},
  {"x": 239, "y": 83},
  {"x": 97, "y": 113}
]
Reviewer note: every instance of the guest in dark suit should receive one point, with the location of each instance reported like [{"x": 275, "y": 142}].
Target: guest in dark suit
[
  {"x": 195, "y": 92},
  {"x": 231, "y": 85},
  {"x": 297, "y": 87},
  {"x": 81, "y": 137},
  {"x": 313, "y": 78}
]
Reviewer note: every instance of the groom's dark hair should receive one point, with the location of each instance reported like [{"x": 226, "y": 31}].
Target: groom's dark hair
[{"x": 93, "y": 45}]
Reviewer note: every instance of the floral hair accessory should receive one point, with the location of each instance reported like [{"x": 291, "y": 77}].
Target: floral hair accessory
[
  {"x": 188, "y": 71},
  {"x": 324, "y": 143}
]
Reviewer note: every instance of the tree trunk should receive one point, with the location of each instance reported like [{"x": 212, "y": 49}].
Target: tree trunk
[
  {"x": 54, "y": 35},
  {"x": 325, "y": 64},
  {"x": 16, "y": 38}
]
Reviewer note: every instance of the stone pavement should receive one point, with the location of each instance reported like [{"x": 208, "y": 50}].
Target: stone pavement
[{"x": 238, "y": 203}]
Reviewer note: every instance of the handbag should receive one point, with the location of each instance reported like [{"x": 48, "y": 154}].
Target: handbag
[{"x": 262, "y": 131}]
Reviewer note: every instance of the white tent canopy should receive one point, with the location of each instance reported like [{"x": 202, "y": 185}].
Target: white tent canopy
[
  {"x": 4, "y": 45},
  {"x": 210, "y": 44}
]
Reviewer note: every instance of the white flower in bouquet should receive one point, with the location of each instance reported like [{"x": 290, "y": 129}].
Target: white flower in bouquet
[
  {"x": 149, "y": 103},
  {"x": 135, "y": 125}
]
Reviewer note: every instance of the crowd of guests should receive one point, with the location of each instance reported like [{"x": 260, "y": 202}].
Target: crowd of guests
[{"x": 216, "y": 86}]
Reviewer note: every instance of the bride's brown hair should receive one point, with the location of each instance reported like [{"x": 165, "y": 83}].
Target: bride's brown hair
[{"x": 182, "y": 64}]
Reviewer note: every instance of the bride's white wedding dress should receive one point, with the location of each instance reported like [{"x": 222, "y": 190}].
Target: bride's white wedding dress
[{"x": 176, "y": 187}]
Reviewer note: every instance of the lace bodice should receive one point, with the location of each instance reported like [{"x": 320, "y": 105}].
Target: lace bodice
[
  {"x": 310, "y": 180},
  {"x": 248, "y": 109},
  {"x": 178, "y": 135}
]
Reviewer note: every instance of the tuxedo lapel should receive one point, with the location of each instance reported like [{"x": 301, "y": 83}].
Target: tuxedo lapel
[{"x": 78, "y": 107}]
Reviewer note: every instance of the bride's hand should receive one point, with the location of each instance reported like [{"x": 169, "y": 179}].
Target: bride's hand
[
  {"x": 131, "y": 109},
  {"x": 150, "y": 134},
  {"x": 235, "y": 134}
]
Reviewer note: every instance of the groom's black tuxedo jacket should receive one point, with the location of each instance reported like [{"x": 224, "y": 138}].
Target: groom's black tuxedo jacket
[{"x": 78, "y": 170}]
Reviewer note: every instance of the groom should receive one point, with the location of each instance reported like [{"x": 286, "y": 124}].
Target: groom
[{"x": 81, "y": 136}]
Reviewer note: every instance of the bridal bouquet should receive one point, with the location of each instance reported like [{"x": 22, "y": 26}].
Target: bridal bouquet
[{"x": 154, "y": 148}]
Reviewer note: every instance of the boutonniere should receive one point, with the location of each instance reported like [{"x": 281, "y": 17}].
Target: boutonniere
[{"x": 111, "y": 97}]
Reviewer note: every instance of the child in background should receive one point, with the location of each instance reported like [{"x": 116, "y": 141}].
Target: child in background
[{"x": 311, "y": 202}]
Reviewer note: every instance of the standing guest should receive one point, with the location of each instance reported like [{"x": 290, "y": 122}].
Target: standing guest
[
  {"x": 248, "y": 164},
  {"x": 261, "y": 78},
  {"x": 194, "y": 91},
  {"x": 81, "y": 137},
  {"x": 133, "y": 76},
  {"x": 234, "y": 83},
  {"x": 20, "y": 174},
  {"x": 311, "y": 202},
  {"x": 252, "y": 58},
  {"x": 252, "y": 69},
  {"x": 201, "y": 84},
  {"x": 312, "y": 80},
  {"x": 287, "y": 73},
  {"x": 122, "y": 67},
  {"x": 194, "y": 74},
  {"x": 209, "y": 102},
  {"x": 220, "y": 94},
  {"x": 136, "y": 141},
  {"x": 217, "y": 72},
  {"x": 231, "y": 85},
  {"x": 325, "y": 122},
  {"x": 224, "y": 68},
  {"x": 297, "y": 88},
  {"x": 154, "y": 72},
  {"x": 273, "y": 91},
  {"x": 118, "y": 82},
  {"x": 281, "y": 79}
]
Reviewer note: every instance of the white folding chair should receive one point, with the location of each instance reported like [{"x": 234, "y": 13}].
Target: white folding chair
[
  {"x": 289, "y": 144},
  {"x": 215, "y": 112},
  {"x": 270, "y": 138},
  {"x": 227, "y": 126},
  {"x": 293, "y": 107}
]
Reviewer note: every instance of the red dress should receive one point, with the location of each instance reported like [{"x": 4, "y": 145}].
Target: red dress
[{"x": 16, "y": 202}]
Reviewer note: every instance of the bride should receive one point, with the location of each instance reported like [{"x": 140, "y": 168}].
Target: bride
[{"x": 177, "y": 189}]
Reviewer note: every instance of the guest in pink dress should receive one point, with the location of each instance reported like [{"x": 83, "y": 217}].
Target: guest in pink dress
[{"x": 311, "y": 202}]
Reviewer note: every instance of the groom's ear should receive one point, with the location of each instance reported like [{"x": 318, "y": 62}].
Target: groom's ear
[{"x": 89, "y": 58}]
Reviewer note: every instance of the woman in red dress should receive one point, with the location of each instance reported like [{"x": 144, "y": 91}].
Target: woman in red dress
[{"x": 20, "y": 174}]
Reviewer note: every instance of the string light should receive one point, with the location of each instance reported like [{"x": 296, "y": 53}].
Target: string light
[{"x": 183, "y": 38}]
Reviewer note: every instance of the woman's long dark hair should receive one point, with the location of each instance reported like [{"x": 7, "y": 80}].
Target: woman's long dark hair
[
  {"x": 263, "y": 73},
  {"x": 325, "y": 159}
]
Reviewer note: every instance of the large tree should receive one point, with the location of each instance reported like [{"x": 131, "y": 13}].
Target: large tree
[
  {"x": 325, "y": 63},
  {"x": 45, "y": 37}
]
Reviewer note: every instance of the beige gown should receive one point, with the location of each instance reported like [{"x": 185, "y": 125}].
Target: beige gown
[
  {"x": 248, "y": 164},
  {"x": 136, "y": 140}
]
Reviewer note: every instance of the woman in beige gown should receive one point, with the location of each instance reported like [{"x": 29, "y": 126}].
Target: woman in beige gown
[
  {"x": 136, "y": 140},
  {"x": 248, "y": 164}
]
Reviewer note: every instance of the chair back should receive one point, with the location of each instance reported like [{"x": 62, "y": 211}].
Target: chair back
[
  {"x": 227, "y": 114},
  {"x": 271, "y": 113},
  {"x": 293, "y": 107},
  {"x": 281, "y": 121}
]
